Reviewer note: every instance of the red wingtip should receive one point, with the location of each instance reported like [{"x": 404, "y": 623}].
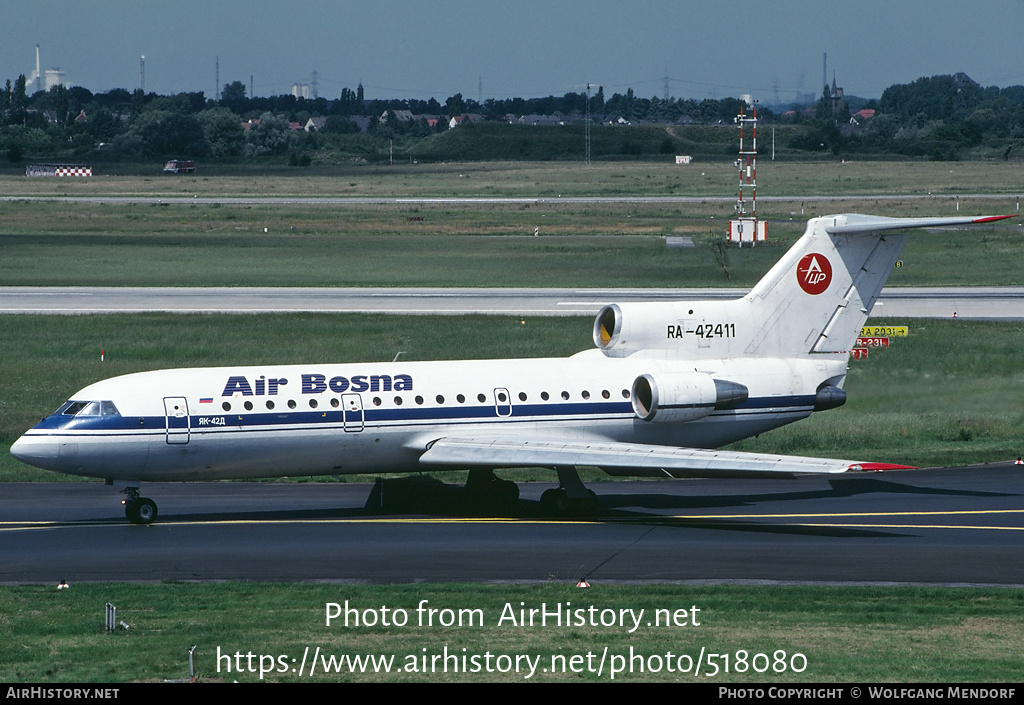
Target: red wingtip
[
  {"x": 880, "y": 467},
  {"x": 990, "y": 218}
]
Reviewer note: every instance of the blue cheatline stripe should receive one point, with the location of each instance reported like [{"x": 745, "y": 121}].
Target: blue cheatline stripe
[{"x": 397, "y": 416}]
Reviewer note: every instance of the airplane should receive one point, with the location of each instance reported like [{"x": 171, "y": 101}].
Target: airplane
[{"x": 664, "y": 386}]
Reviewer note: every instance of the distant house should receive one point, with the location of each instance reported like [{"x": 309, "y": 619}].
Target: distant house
[
  {"x": 400, "y": 115},
  {"x": 962, "y": 80},
  {"x": 615, "y": 120},
  {"x": 540, "y": 120},
  {"x": 315, "y": 124},
  {"x": 468, "y": 117}
]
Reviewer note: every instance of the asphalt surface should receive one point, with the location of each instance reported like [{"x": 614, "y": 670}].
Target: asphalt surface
[
  {"x": 958, "y": 526},
  {"x": 999, "y": 303}
]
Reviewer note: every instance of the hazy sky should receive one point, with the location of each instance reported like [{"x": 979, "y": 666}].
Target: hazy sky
[{"x": 524, "y": 48}]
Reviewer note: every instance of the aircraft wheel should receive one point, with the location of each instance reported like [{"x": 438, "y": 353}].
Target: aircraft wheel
[
  {"x": 555, "y": 502},
  {"x": 507, "y": 492},
  {"x": 141, "y": 511},
  {"x": 588, "y": 504}
]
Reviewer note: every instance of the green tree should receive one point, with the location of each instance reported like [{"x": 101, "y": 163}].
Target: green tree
[
  {"x": 455, "y": 105},
  {"x": 223, "y": 132},
  {"x": 271, "y": 136},
  {"x": 233, "y": 97}
]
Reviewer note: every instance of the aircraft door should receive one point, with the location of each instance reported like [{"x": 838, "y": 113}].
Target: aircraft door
[
  {"x": 502, "y": 402},
  {"x": 176, "y": 412},
  {"x": 352, "y": 411}
]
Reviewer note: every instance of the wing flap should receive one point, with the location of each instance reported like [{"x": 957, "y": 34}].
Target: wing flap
[{"x": 623, "y": 458}]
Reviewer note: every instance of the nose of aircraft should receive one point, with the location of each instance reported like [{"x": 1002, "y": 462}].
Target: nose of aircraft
[{"x": 39, "y": 451}]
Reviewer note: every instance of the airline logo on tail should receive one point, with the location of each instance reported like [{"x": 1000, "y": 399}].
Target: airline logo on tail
[{"x": 814, "y": 273}]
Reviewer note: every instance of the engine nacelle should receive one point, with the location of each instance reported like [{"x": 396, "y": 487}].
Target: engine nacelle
[
  {"x": 618, "y": 334},
  {"x": 687, "y": 396}
]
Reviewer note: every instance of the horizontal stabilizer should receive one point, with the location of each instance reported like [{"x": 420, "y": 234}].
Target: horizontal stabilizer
[{"x": 855, "y": 223}]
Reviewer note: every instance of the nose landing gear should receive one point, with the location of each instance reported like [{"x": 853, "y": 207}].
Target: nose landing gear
[{"x": 139, "y": 510}]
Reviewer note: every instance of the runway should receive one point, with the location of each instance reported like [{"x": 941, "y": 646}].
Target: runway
[
  {"x": 958, "y": 526},
  {"x": 990, "y": 303}
]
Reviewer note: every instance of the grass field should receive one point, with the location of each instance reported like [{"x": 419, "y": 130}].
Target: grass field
[
  {"x": 547, "y": 180},
  {"x": 827, "y": 634},
  {"x": 593, "y": 245}
]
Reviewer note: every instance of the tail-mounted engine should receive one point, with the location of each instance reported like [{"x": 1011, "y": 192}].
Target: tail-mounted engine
[
  {"x": 617, "y": 335},
  {"x": 680, "y": 397},
  {"x": 688, "y": 329}
]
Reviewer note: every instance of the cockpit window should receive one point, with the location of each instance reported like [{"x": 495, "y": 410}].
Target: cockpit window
[{"x": 90, "y": 408}]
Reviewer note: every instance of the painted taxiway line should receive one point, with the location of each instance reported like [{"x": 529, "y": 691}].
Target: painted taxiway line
[{"x": 646, "y": 520}]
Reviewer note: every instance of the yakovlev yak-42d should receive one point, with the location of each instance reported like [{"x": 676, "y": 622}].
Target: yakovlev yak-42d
[{"x": 665, "y": 384}]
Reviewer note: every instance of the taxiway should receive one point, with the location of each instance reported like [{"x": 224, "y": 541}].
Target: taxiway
[{"x": 957, "y": 526}]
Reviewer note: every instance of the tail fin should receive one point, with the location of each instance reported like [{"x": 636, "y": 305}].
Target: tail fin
[
  {"x": 814, "y": 300},
  {"x": 817, "y": 297}
]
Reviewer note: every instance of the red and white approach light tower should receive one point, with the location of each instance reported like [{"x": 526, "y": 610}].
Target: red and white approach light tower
[{"x": 743, "y": 228}]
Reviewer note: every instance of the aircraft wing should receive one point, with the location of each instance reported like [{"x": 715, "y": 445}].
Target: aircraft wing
[{"x": 632, "y": 459}]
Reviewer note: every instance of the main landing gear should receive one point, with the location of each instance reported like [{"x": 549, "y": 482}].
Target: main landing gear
[
  {"x": 571, "y": 496},
  {"x": 484, "y": 491},
  {"x": 139, "y": 510},
  {"x": 487, "y": 491}
]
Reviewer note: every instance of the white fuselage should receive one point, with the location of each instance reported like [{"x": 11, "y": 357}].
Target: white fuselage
[{"x": 218, "y": 423}]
